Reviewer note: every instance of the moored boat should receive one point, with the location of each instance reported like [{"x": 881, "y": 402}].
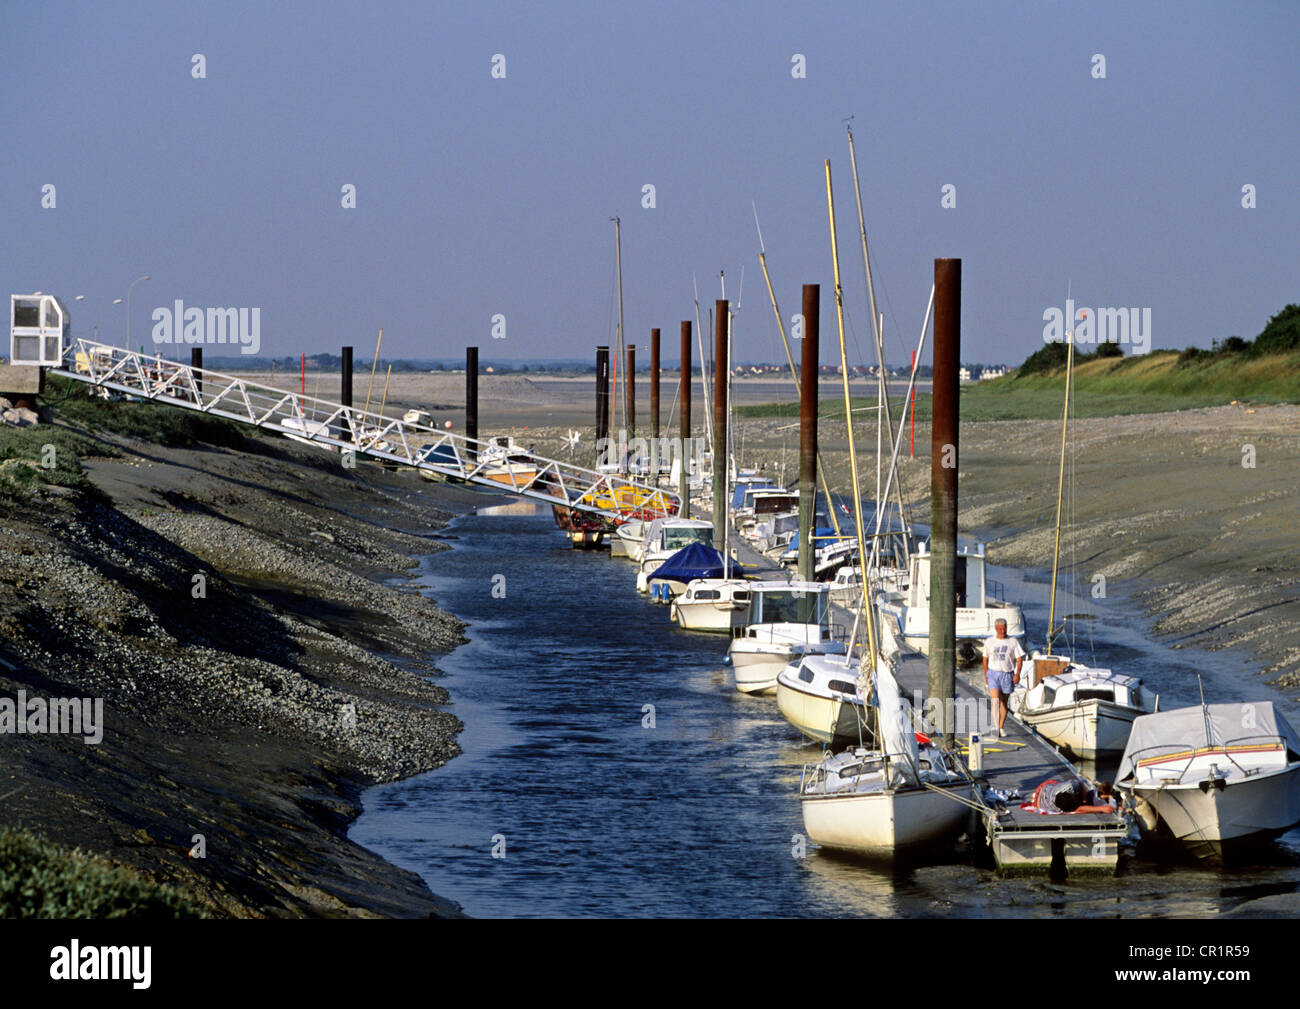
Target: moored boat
[
  {"x": 785, "y": 621},
  {"x": 1217, "y": 779}
]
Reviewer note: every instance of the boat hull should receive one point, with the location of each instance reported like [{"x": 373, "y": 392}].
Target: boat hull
[
  {"x": 1088, "y": 729},
  {"x": 708, "y": 617},
  {"x": 756, "y": 667},
  {"x": 823, "y": 719},
  {"x": 1217, "y": 823},
  {"x": 882, "y": 823}
]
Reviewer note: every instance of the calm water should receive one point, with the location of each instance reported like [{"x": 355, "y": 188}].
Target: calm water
[{"x": 695, "y": 816}]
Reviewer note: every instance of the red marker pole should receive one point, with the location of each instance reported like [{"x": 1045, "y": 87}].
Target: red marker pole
[{"x": 304, "y": 381}]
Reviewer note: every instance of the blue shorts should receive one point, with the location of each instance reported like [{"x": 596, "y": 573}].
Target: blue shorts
[{"x": 1000, "y": 681}]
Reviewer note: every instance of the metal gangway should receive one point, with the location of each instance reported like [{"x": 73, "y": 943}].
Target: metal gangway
[{"x": 347, "y": 429}]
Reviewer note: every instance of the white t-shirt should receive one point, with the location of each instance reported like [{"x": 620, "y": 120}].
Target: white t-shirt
[{"x": 1002, "y": 653}]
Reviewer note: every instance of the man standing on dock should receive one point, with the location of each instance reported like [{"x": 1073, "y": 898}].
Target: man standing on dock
[{"x": 1003, "y": 657}]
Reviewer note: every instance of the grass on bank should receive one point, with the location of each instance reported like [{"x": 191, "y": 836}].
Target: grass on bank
[
  {"x": 45, "y": 455},
  {"x": 50, "y": 454},
  {"x": 1103, "y": 387},
  {"x": 40, "y": 879},
  {"x": 163, "y": 425}
]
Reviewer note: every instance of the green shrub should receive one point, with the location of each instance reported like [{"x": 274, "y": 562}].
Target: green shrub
[
  {"x": 1109, "y": 350},
  {"x": 1282, "y": 333},
  {"x": 24, "y": 452},
  {"x": 39, "y": 879}
]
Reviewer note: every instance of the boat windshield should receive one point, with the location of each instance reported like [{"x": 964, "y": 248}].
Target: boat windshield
[
  {"x": 677, "y": 538},
  {"x": 791, "y": 607}
]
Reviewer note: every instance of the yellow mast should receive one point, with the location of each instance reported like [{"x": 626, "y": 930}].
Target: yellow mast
[
  {"x": 373, "y": 365},
  {"x": 385, "y": 400},
  {"x": 1060, "y": 487},
  {"x": 848, "y": 417}
]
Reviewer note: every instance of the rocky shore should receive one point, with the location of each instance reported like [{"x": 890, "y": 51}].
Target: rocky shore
[{"x": 243, "y": 615}]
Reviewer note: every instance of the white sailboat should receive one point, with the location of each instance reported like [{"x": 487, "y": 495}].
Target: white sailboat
[
  {"x": 785, "y": 622},
  {"x": 819, "y": 696},
  {"x": 1088, "y": 711},
  {"x": 1217, "y": 779},
  {"x": 905, "y": 794}
]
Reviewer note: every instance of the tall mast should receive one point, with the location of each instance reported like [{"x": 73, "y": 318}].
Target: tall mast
[
  {"x": 704, "y": 365},
  {"x": 794, "y": 375},
  {"x": 848, "y": 421},
  {"x": 619, "y": 351},
  {"x": 882, "y": 385},
  {"x": 1060, "y": 485}
]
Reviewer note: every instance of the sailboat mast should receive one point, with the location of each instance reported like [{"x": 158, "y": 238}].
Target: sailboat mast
[
  {"x": 1060, "y": 486},
  {"x": 848, "y": 421},
  {"x": 877, "y": 326},
  {"x": 780, "y": 325},
  {"x": 618, "y": 269},
  {"x": 704, "y": 365}
]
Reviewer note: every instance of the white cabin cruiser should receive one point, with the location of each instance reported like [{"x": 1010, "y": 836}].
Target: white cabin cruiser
[
  {"x": 663, "y": 538},
  {"x": 905, "y": 795},
  {"x": 1216, "y": 778},
  {"x": 819, "y": 696},
  {"x": 1087, "y": 711},
  {"x": 785, "y": 621},
  {"x": 712, "y": 604},
  {"x": 976, "y": 609}
]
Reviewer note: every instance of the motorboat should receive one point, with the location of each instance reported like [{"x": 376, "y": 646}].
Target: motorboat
[
  {"x": 663, "y": 538},
  {"x": 712, "y": 604},
  {"x": 977, "y": 608},
  {"x": 1086, "y": 710},
  {"x": 785, "y": 622},
  {"x": 692, "y": 563},
  {"x": 819, "y": 696},
  {"x": 1216, "y": 779}
]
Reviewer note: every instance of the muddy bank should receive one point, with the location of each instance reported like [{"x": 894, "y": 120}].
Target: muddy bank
[{"x": 237, "y": 612}]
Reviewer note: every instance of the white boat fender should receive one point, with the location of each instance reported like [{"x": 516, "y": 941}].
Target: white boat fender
[{"x": 1146, "y": 813}]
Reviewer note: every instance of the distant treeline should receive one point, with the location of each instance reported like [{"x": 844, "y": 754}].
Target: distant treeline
[{"x": 1280, "y": 336}]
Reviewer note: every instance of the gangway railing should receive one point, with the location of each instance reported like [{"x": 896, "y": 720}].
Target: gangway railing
[{"x": 333, "y": 425}]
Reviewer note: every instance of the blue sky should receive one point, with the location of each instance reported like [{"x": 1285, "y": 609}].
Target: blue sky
[{"x": 478, "y": 196}]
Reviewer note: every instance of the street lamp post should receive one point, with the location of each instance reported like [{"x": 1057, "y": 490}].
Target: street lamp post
[{"x": 128, "y": 309}]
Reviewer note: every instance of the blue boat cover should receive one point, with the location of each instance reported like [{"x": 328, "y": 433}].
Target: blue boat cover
[{"x": 695, "y": 561}]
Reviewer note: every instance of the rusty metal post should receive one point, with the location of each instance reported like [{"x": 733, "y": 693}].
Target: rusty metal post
[
  {"x": 471, "y": 393},
  {"x": 345, "y": 394},
  {"x": 943, "y": 488},
  {"x": 684, "y": 427},
  {"x": 812, "y": 298},
  {"x": 654, "y": 408},
  {"x": 196, "y": 361},
  {"x": 629, "y": 388},
  {"x": 602, "y": 400},
  {"x": 721, "y": 368}
]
